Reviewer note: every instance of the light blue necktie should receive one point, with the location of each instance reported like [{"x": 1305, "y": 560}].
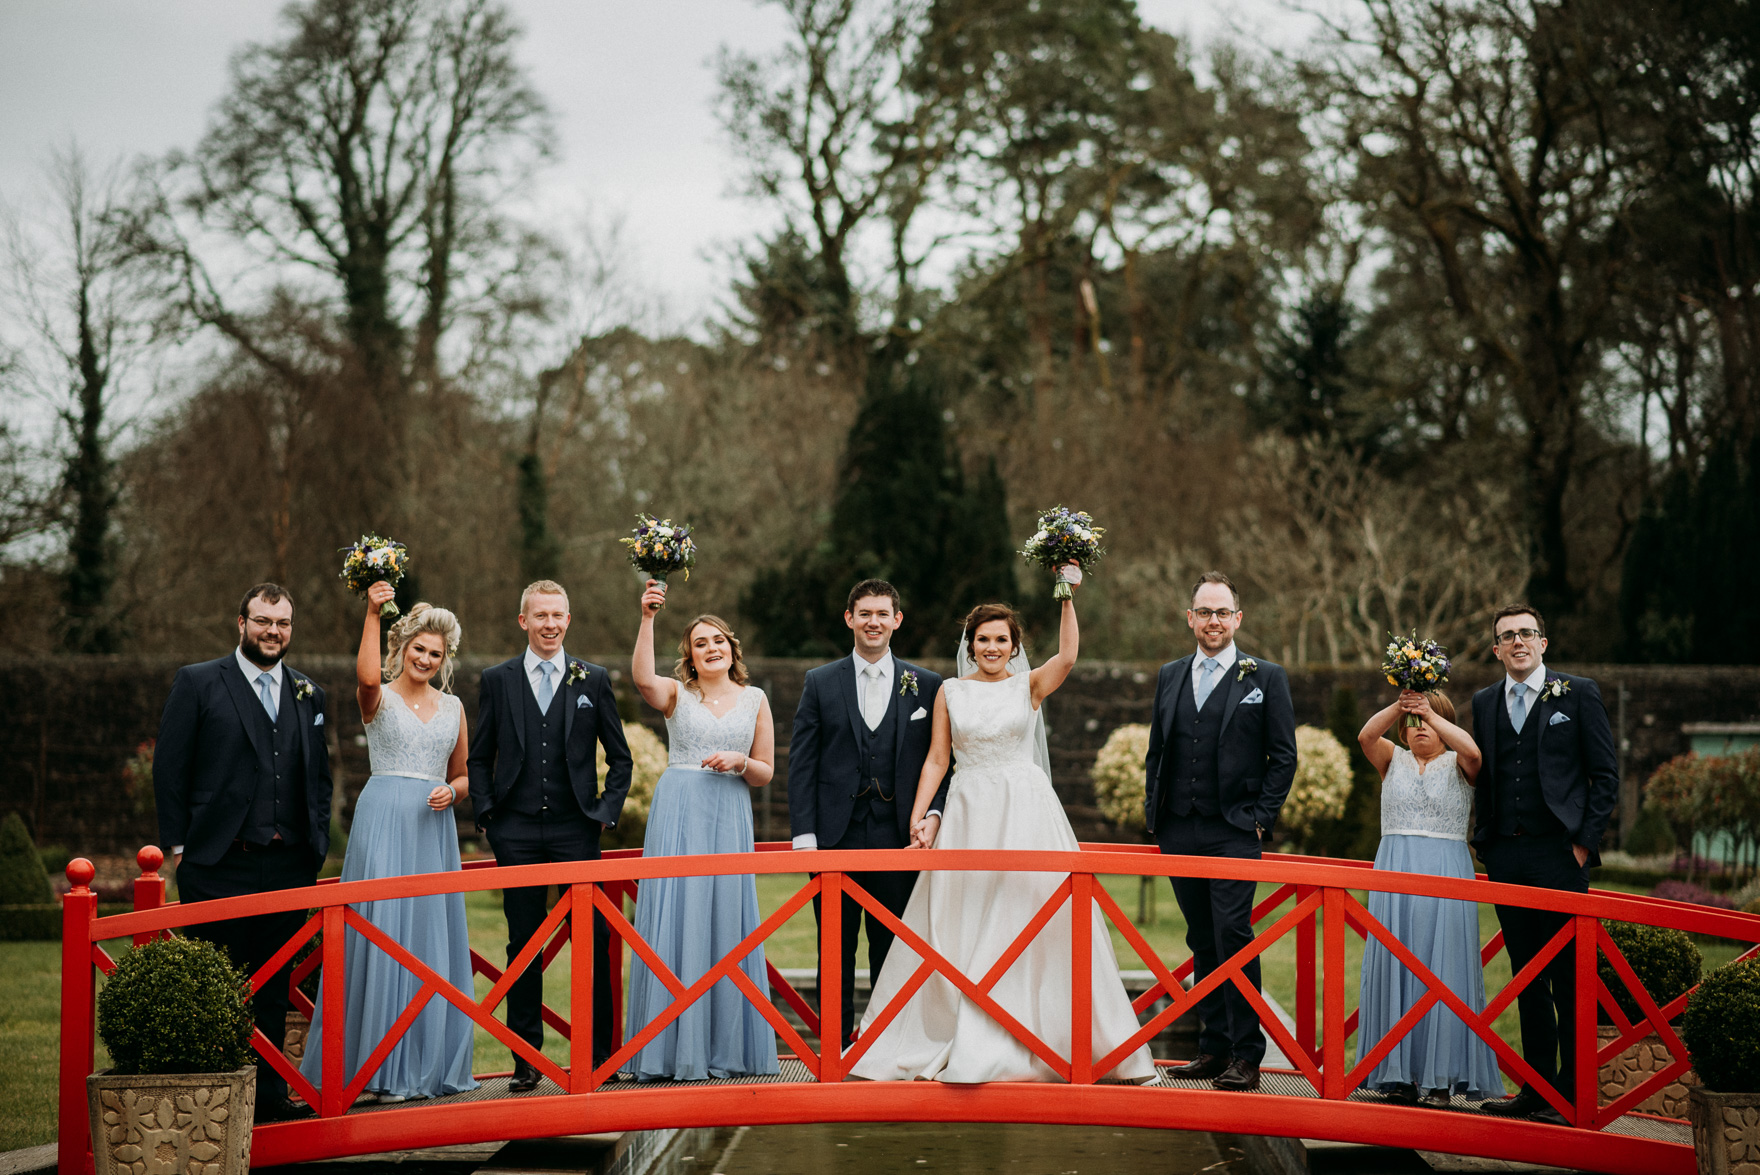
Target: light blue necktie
[
  {"x": 266, "y": 691},
  {"x": 1207, "y": 682},
  {"x": 1518, "y": 711},
  {"x": 546, "y": 689}
]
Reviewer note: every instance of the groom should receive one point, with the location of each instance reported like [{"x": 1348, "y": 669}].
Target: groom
[
  {"x": 861, "y": 733},
  {"x": 535, "y": 787},
  {"x": 1222, "y": 755},
  {"x": 241, "y": 779},
  {"x": 1547, "y": 788}
]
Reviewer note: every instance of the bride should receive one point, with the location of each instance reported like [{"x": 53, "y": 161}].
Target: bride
[{"x": 1000, "y": 798}]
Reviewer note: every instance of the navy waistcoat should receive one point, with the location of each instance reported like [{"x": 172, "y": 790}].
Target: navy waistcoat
[
  {"x": 278, "y": 802},
  {"x": 878, "y": 784},
  {"x": 1521, "y": 805},
  {"x": 543, "y": 779},
  {"x": 1188, "y": 766}
]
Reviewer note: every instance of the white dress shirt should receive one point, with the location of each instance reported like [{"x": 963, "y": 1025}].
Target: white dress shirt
[
  {"x": 1224, "y": 662},
  {"x": 1535, "y": 681},
  {"x": 535, "y": 677},
  {"x": 873, "y": 687}
]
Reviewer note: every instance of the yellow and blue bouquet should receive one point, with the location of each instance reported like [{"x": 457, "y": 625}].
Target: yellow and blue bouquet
[
  {"x": 1419, "y": 665},
  {"x": 1064, "y": 536},
  {"x": 371, "y": 560},
  {"x": 659, "y": 547}
]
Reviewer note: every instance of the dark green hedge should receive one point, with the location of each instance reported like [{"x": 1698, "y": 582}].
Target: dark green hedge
[
  {"x": 1721, "y": 1028},
  {"x": 1666, "y": 961},
  {"x": 42, "y": 922},
  {"x": 23, "y": 880},
  {"x": 175, "y": 1006}
]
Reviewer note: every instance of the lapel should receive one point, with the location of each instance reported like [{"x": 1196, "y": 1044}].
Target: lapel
[
  {"x": 1488, "y": 748},
  {"x": 290, "y": 697},
  {"x": 1182, "y": 679},
  {"x": 1538, "y": 712},
  {"x": 901, "y": 719},
  {"x": 1237, "y": 689},
  {"x": 244, "y": 697},
  {"x": 569, "y": 693},
  {"x": 516, "y": 681},
  {"x": 851, "y": 702}
]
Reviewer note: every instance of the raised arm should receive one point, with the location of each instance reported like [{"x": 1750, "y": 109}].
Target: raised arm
[
  {"x": 368, "y": 673},
  {"x": 923, "y": 826},
  {"x": 1052, "y": 674},
  {"x": 1467, "y": 758},
  {"x": 1372, "y": 738},
  {"x": 659, "y": 692}
]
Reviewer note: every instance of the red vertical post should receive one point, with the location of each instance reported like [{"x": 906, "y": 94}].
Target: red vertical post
[
  {"x": 149, "y": 887},
  {"x": 580, "y": 988},
  {"x": 335, "y": 1008},
  {"x": 1332, "y": 1071},
  {"x": 79, "y": 907},
  {"x": 615, "y": 892},
  {"x": 1583, "y": 1039},
  {"x": 831, "y": 977},
  {"x": 1081, "y": 973},
  {"x": 1305, "y": 976}
]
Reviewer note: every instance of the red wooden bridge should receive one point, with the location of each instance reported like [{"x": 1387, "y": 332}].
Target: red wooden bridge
[{"x": 1313, "y": 901}]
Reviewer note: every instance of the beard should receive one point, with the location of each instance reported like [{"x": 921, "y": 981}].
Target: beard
[{"x": 256, "y": 654}]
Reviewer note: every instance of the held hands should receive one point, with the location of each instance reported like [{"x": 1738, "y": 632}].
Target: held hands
[
  {"x": 653, "y": 598},
  {"x": 378, "y": 594},
  {"x": 923, "y": 832},
  {"x": 441, "y": 797},
  {"x": 732, "y": 762}
]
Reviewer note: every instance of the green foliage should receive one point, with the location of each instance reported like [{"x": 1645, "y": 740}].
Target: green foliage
[
  {"x": 540, "y": 551},
  {"x": 175, "y": 1006},
  {"x": 1650, "y": 835},
  {"x": 1721, "y": 1028},
  {"x": 1667, "y": 963},
  {"x": 23, "y": 880}
]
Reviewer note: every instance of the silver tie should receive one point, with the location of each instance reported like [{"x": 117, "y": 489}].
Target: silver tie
[
  {"x": 266, "y": 691},
  {"x": 1207, "y": 681},
  {"x": 1518, "y": 710},
  {"x": 546, "y": 688},
  {"x": 873, "y": 705}
]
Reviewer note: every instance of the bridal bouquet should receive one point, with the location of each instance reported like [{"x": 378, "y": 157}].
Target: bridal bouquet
[
  {"x": 371, "y": 560},
  {"x": 1064, "y": 536},
  {"x": 1415, "y": 665},
  {"x": 659, "y": 547}
]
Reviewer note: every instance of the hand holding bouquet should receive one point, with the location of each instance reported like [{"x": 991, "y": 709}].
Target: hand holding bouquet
[
  {"x": 374, "y": 560},
  {"x": 659, "y": 547},
  {"x": 1412, "y": 664},
  {"x": 1065, "y": 536}
]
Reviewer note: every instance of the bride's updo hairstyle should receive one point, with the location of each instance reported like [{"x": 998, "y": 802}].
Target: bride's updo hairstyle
[
  {"x": 984, "y": 614},
  {"x": 423, "y": 618},
  {"x": 686, "y": 669}
]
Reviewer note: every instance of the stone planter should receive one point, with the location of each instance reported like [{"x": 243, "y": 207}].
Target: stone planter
[
  {"x": 293, "y": 1044},
  {"x": 1638, "y": 1064},
  {"x": 1726, "y": 1132},
  {"x": 172, "y": 1124}
]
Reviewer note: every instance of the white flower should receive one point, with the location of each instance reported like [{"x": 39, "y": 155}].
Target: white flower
[
  {"x": 1118, "y": 775},
  {"x": 1039, "y": 538},
  {"x": 1322, "y": 783}
]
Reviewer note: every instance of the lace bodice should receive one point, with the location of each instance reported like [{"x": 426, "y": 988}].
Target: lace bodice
[
  {"x": 399, "y": 743},
  {"x": 991, "y": 721},
  {"x": 1436, "y": 802},
  {"x": 693, "y": 733}
]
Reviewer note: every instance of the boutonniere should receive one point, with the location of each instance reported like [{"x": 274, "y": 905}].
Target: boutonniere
[
  {"x": 1555, "y": 688},
  {"x": 1246, "y": 665},
  {"x": 577, "y": 673},
  {"x": 302, "y": 689},
  {"x": 907, "y": 681}
]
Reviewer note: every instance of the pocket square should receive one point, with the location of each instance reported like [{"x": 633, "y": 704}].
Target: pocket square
[
  {"x": 1254, "y": 698},
  {"x": 318, "y": 720},
  {"x": 1557, "y": 718},
  {"x": 921, "y": 713},
  {"x": 582, "y": 701}
]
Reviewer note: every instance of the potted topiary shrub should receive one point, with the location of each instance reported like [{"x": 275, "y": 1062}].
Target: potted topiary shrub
[
  {"x": 1667, "y": 963},
  {"x": 1721, "y": 1030},
  {"x": 181, "y": 1096}
]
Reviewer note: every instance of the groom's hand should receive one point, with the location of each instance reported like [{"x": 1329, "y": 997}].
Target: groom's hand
[
  {"x": 923, "y": 832},
  {"x": 1581, "y": 854}
]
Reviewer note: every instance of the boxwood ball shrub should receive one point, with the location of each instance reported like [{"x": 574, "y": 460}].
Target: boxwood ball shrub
[
  {"x": 1118, "y": 776},
  {"x": 1721, "y": 1028},
  {"x": 175, "y": 1006},
  {"x": 1666, "y": 961}
]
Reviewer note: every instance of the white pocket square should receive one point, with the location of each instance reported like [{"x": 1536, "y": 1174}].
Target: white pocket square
[
  {"x": 1557, "y": 718},
  {"x": 921, "y": 713},
  {"x": 1254, "y": 698},
  {"x": 318, "y": 720},
  {"x": 581, "y": 701}
]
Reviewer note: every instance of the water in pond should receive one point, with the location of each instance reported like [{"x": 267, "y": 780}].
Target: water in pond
[{"x": 910, "y": 1148}]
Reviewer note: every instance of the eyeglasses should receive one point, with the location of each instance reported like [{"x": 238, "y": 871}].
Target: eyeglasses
[
  {"x": 277, "y": 625},
  {"x": 1216, "y": 613},
  {"x": 1510, "y": 636}
]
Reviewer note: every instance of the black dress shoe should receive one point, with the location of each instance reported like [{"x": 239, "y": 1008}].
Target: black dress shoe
[
  {"x": 1548, "y": 1115},
  {"x": 1200, "y": 1068},
  {"x": 1240, "y": 1076},
  {"x": 1436, "y": 1099},
  {"x": 1521, "y": 1105},
  {"x": 282, "y": 1110},
  {"x": 525, "y": 1077},
  {"x": 1401, "y": 1094}
]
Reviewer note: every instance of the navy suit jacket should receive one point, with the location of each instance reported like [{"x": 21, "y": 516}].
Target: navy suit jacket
[
  {"x": 1255, "y": 749},
  {"x": 589, "y": 718},
  {"x": 824, "y": 752},
  {"x": 1579, "y": 767},
  {"x": 211, "y": 757}
]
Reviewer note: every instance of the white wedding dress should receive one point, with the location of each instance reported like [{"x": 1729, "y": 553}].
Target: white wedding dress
[{"x": 999, "y": 799}]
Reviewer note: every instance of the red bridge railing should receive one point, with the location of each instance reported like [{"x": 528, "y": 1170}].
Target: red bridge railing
[{"x": 1312, "y": 900}]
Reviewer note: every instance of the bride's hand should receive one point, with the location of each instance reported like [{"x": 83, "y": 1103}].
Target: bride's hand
[
  {"x": 1071, "y": 573},
  {"x": 653, "y": 597},
  {"x": 378, "y": 594},
  {"x": 923, "y": 832}
]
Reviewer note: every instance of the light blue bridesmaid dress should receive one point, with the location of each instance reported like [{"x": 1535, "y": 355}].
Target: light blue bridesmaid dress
[
  {"x": 395, "y": 834},
  {"x": 693, "y": 922}
]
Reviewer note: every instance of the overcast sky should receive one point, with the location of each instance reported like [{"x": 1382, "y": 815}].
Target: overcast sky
[{"x": 632, "y": 86}]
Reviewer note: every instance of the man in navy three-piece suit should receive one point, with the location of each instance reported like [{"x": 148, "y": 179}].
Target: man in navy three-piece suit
[
  {"x": 241, "y": 778},
  {"x": 861, "y": 733},
  {"x": 1222, "y": 756}
]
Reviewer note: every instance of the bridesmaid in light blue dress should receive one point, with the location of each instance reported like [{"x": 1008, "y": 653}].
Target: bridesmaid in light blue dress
[
  {"x": 403, "y": 824},
  {"x": 1426, "y": 802},
  {"x": 721, "y": 744}
]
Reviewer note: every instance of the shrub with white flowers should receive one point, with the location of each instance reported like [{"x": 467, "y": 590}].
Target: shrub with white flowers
[
  {"x": 1321, "y": 786},
  {"x": 1118, "y": 775}
]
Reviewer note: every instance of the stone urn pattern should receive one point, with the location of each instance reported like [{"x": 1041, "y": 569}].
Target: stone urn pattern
[
  {"x": 195, "y": 1124},
  {"x": 1726, "y": 1132}
]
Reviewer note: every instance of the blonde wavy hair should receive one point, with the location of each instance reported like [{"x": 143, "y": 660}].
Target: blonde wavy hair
[
  {"x": 423, "y": 618},
  {"x": 686, "y": 669}
]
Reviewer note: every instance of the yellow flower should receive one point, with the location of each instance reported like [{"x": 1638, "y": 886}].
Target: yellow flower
[{"x": 1392, "y": 680}]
